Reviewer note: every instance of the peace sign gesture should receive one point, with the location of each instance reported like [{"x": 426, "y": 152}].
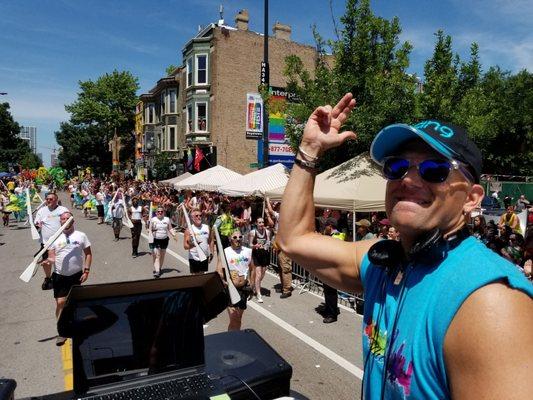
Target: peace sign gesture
[{"x": 322, "y": 129}]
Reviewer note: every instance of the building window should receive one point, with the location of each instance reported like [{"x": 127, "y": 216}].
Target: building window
[
  {"x": 172, "y": 138},
  {"x": 189, "y": 118},
  {"x": 201, "y": 69},
  {"x": 150, "y": 113},
  {"x": 164, "y": 139},
  {"x": 189, "y": 72},
  {"x": 172, "y": 101},
  {"x": 163, "y": 102},
  {"x": 201, "y": 117}
]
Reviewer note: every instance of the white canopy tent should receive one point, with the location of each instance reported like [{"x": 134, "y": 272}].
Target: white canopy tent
[
  {"x": 210, "y": 179},
  {"x": 355, "y": 185},
  {"x": 176, "y": 179},
  {"x": 257, "y": 183}
]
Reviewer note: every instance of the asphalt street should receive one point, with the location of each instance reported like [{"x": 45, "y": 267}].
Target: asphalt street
[{"x": 326, "y": 358}]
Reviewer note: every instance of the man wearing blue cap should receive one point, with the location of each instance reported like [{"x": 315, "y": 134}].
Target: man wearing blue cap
[{"x": 444, "y": 316}]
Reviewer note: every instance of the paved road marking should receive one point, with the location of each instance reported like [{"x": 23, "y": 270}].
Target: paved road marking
[
  {"x": 66, "y": 357},
  {"x": 342, "y": 362}
]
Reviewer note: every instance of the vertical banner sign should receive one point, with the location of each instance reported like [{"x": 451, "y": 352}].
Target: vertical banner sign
[
  {"x": 265, "y": 72},
  {"x": 279, "y": 149},
  {"x": 254, "y": 116}
]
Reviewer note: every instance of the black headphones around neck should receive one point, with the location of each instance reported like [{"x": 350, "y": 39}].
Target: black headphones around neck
[{"x": 431, "y": 248}]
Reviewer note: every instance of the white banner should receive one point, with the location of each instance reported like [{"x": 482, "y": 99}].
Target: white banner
[{"x": 254, "y": 112}]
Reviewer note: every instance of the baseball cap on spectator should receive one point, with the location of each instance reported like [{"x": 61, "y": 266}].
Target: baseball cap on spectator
[
  {"x": 384, "y": 221},
  {"x": 363, "y": 222},
  {"x": 447, "y": 139}
]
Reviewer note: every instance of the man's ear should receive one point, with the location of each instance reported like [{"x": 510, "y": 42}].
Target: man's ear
[{"x": 474, "y": 198}]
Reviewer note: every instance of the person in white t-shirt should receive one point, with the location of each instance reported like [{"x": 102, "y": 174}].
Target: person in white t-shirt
[
  {"x": 136, "y": 214},
  {"x": 161, "y": 229},
  {"x": 47, "y": 219},
  {"x": 204, "y": 238},
  {"x": 71, "y": 257},
  {"x": 240, "y": 265},
  {"x": 118, "y": 208}
]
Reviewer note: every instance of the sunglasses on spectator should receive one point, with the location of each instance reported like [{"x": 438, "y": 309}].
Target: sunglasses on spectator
[
  {"x": 431, "y": 170},
  {"x": 197, "y": 215},
  {"x": 236, "y": 237}
]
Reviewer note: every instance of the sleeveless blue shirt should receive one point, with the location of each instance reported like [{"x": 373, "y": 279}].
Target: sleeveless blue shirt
[{"x": 409, "y": 328}]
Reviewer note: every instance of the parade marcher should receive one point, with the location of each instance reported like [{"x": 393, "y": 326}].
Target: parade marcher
[
  {"x": 205, "y": 239},
  {"x": 47, "y": 219},
  {"x": 259, "y": 239},
  {"x": 118, "y": 208},
  {"x": 161, "y": 229},
  {"x": 240, "y": 265},
  {"x": 423, "y": 293},
  {"x": 136, "y": 213},
  {"x": 100, "y": 199},
  {"x": 71, "y": 257}
]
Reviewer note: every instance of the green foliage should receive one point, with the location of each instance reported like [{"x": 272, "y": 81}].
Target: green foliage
[
  {"x": 83, "y": 146},
  {"x": 170, "y": 69},
  {"x": 369, "y": 61},
  {"x": 498, "y": 115},
  {"x": 163, "y": 166},
  {"x": 13, "y": 150},
  {"x": 103, "y": 106},
  {"x": 30, "y": 161}
]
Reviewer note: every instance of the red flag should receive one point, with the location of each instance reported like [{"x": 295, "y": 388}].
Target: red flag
[{"x": 198, "y": 157}]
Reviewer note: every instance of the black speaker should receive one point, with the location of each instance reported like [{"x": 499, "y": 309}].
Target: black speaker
[{"x": 245, "y": 356}]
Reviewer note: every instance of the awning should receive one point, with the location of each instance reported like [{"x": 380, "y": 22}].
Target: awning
[
  {"x": 257, "y": 183},
  {"x": 355, "y": 185},
  {"x": 210, "y": 179}
]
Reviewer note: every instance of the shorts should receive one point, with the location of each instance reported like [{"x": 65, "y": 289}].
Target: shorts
[
  {"x": 160, "y": 243},
  {"x": 198, "y": 266},
  {"x": 261, "y": 257},
  {"x": 63, "y": 283},
  {"x": 100, "y": 210},
  {"x": 244, "y": 299}
]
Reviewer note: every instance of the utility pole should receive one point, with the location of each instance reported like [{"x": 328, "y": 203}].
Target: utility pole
[{"x": 265, "y": 81}]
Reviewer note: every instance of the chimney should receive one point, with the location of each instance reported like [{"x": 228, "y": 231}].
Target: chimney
[
  {"x": 282, "y": 31},
  {"x": 241, "y": 20}
]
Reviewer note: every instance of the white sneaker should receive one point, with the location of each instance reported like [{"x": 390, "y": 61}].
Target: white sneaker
[{"x": 259, "y": 298}]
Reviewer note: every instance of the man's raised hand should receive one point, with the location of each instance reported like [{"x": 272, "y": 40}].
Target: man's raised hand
[{"x": 322, "y": 129}]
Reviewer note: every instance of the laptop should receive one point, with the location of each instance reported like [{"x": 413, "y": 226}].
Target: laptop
[{"x": 142, "y": 339}]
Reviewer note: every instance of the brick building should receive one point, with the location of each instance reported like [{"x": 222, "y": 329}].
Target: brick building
[{"x": 221, "y": 64}]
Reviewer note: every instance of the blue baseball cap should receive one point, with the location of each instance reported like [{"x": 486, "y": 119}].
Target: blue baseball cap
[{"x": 449, "y": 140}]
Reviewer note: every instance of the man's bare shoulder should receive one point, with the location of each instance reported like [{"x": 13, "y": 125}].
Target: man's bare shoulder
[{"x": 490, "y": 340}]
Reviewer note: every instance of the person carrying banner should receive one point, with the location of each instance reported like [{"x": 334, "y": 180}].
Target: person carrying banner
[{"x": 204, "y": 239}]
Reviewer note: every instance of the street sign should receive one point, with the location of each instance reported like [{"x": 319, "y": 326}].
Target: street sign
[
  {"x": 254, "y": 135},
  {"x": 254, "y": 165}
]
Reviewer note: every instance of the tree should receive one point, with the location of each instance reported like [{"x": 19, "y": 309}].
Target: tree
[
  {"x": 368, "y": 60},
  {"x": 164, "y": 166},
  {"x": 170, "y": 69},
  {"x": 440, "y": 95},
  {"x": 103, "y": 107},
  {"x": 14, "y": 151},
  {"x": 83, "y": 146},
  {"x": 498, "y": 115}
]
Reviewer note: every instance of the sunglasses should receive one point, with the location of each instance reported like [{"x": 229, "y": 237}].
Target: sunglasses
[
  {"x": 236, "y": 237},
  {"x": 431, "y": 170}
]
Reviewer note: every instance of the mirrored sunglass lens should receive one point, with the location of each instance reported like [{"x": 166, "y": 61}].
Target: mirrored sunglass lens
[
  {"x": 395, "y": 168},
  {"x": 434, "y": 171}
]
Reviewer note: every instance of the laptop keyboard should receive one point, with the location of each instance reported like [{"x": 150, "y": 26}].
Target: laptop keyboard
[{"x": 184, "y": 388}]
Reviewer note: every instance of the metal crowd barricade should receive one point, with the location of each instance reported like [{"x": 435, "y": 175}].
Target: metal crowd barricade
[{"x": 304, "y": 281}]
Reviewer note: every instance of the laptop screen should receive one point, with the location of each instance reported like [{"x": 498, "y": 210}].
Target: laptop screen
[{"x": 126, "y": 337}]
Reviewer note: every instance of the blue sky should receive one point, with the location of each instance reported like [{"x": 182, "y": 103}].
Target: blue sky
[{"x": 47, "y": 46}]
